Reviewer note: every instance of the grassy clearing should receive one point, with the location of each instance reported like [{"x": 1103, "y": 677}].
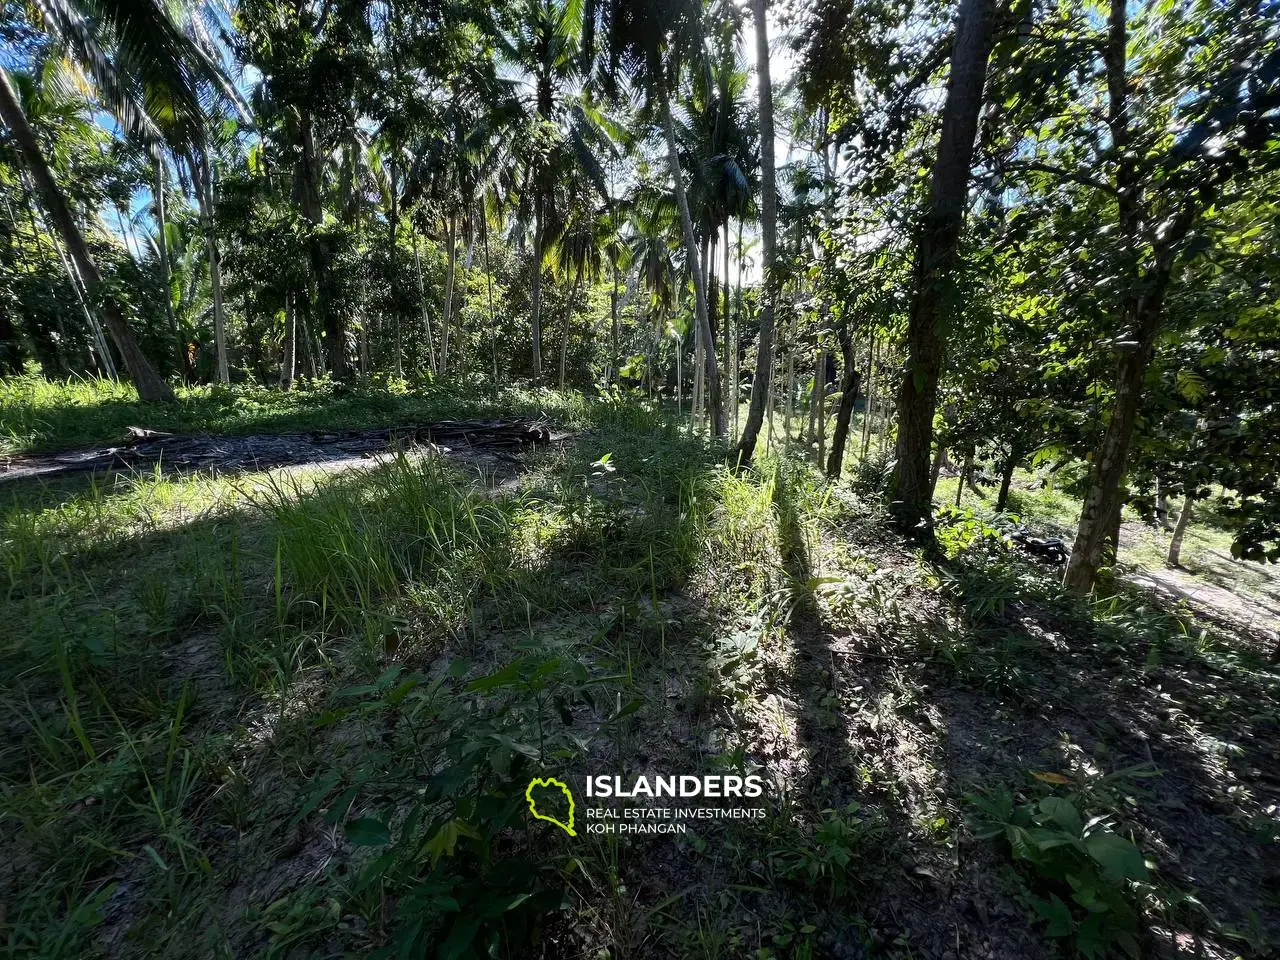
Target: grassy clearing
[
  {"x": 40, "y": 414},
  {"x": 298, "y": 711},
  {"x": 1206, "y": 551}
]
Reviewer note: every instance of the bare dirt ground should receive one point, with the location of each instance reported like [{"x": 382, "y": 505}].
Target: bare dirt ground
[{"x": 495, "y": 441}]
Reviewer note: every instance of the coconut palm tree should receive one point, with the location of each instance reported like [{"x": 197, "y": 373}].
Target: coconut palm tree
[
  {"x": 147, "y": 74},
  {"x": 768, "y": 238},
  {"x": 650, "y": 44}
]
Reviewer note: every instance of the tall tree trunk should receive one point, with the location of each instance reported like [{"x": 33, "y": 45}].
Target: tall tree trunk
[
  {"x": 1006, "y": 477},
  {"x": 848, "y": 397},
  {"x": 871, "y": 394},
  {"x": 422, "y": 299},
  {"x": 564, "y": 330},
  {"x": 613, "y": 328},
  {"x": 166, "y": 268},
  {"x": 760, "y": 392},
  {"x": 203, "y": 170},
  {"x": 710, "y": 367},
  {"x": 149, "y": 384},
  {"x": 821, "y": 387},
  {"x": 488, "y": 281},
  {"x": 11, "y": 360},
  {"x": 679, "y": 379},
  {"x": 1162, "y": 507},
  {"x": 289, "y": 352},
  {"x": 935, "y": 260},
  {"x": 536, "y": 294},
  {"x": 451, "y": 268},
  {"x": 1142, "y": 315},
  {"x": 965, "y": 473},
  {"x": 728, "y": 387},
  {"x": 329, "y": 314},
  {"x": 935, "y": 470},
  {"x": 103, "y": 357}
]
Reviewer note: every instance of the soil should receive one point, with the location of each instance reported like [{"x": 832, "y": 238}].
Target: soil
[{"x": 492, "y": 443}]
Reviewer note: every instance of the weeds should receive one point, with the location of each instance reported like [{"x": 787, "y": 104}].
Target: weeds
[{"x": 301, "y": 710}]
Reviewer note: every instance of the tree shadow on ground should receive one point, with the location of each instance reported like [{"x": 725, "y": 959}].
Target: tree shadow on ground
[{"x": 1053, "y": 683}]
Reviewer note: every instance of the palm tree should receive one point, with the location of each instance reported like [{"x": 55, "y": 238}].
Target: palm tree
[
  {"x": 149, "y": 384},
  {"x": 147, "y": 74},
  {"x": 768, "y": 238},
  {"x": 651, "y": 42}
]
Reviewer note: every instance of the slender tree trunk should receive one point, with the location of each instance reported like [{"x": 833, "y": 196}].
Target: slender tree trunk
[
  {"x": 11, "y": 360},
  {"x": 613, "y": 328},
  {"x": 848, "y": 397},
  {"x": 536, "y": 294},
  {"x": 148, "y": 383},
  {"x": 204, "y": 200},
  {"x": 679, "y": 379},
  {"x": 328, "y": 313},
  {"x": 564, "y": 331},
  {"x": 1006, "y": 477},
  {"x": 737, "y": 344},
  {"x": 728, "y": 388},
  {"x": 871, "y": 395},
  {"x": 789, "y": 383},
  {"x": 289, "y": 357},
  {"x": 104, "y": 360},
  {"x": 821, "y": 387},
  {"x": 935, "y": 259},
  {"x": 965, "y": 471},
  {"x": 1141, "y": 319},
  {"x": 422, "y": 299},
  {"x": 166, "y": 268},
  {"x": 1162, "y": 507},
  {"x": 711, "y": 368},
  {"x": 446, "y": 320},
  {"x": 488, "y": 280},
  {"x": 1105, "y": 493},
  {"x": 760, "y": 392}
]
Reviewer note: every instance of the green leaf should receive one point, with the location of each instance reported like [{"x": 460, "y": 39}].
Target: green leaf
[
  {"x": 1116, "y": 855},
  {"x": 504, "y": 677},
  {"x": 367, "y": 832},
  {"x": 1063, "y": 814},
  {"x": 1056, "y": 913}
]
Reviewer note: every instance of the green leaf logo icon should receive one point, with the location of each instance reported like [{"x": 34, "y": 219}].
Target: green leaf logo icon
[{"x": 549, "y": 783}]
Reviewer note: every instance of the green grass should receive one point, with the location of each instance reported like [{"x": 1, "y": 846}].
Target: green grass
[
  {"x": 298, "y": 709},
  {"x": 1206, "y": 549}
]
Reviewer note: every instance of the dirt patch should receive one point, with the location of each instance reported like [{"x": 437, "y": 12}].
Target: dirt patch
[
  {"x": 491, "y": 443},
  {"x": 1251, "y": 615}
]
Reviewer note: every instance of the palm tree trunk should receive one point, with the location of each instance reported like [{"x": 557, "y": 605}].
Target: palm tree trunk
[
  {"x": 149, "y": 384},
  {"x": 104, "y": 361},
  {"x": 488, "y": 280},
  {"x": 613, "y": 328},
  {"x": 564, "y": 330},
  {"x": 536, "y": 294},
  {"x": 737, "y": 336},
  {"x": 679, "y": 379},
  {"x": 729, "y": 386},
  {"x": 289, "y": 358},
  {"x": 166, "y": 270},
  {"x": 422, "y": 299},
  {"x": 760, "y": 392},
  {"x": 695, "y": 268},
  {"x": 450, "y": 239}
]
